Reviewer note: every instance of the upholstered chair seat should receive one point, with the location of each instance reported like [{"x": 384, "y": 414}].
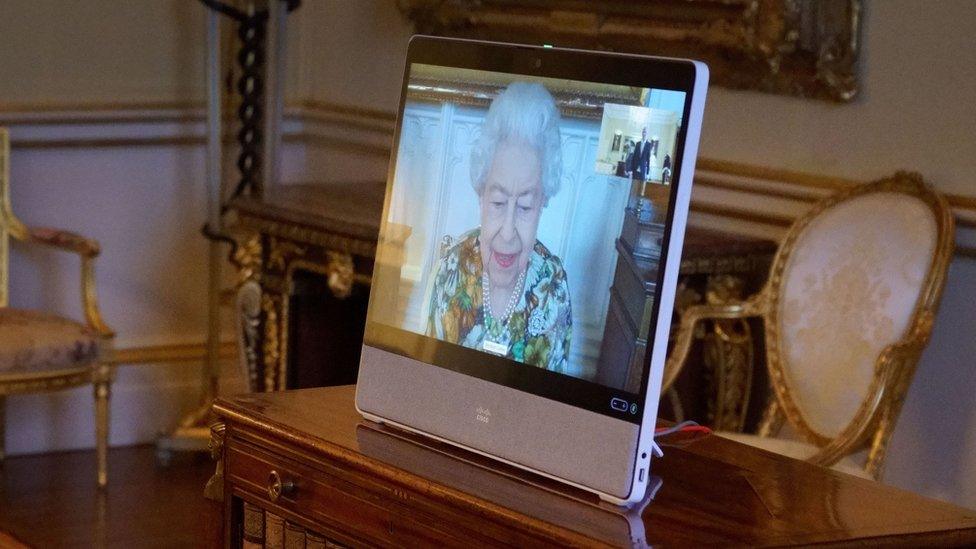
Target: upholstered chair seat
[
  {"x": 795, "y": 449},
  {"x": 33, "y": 341}
]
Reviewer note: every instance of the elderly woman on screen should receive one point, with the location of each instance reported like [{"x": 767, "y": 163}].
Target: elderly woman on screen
[{"x": 497, "y": 288}]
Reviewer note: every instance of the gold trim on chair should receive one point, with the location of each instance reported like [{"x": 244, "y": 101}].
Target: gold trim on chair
[
  {"x": 99, "y": 374},
  {"x": 873, "y": 423}
]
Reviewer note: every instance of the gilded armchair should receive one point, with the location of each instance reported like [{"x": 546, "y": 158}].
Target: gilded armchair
[
  {"x": 42, "y": 352},
  {"x": 847, "y": 310}
]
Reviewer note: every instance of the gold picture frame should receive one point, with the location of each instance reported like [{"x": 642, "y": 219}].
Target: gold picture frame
[{"x": 805, "y": 48}]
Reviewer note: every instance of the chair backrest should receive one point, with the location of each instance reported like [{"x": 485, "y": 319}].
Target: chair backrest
[
  {"x": 10, "y": 226},
  {"x": 4, "y": 214},
  {"x": 863, "y": 270}
]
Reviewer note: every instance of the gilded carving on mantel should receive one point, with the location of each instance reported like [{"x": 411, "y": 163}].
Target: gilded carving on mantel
[
  {"x": 266, "y": 268},
  {"x": 247, "y": 257},
  {"x": 807, "y": 48},
  {"x": 280, "y": 252},
  {"x": 271, "y": 305},
  {"x": 341, "y": 273},
  {"x": 249, "y": 322},
  {"x": 312, "y": 237}
]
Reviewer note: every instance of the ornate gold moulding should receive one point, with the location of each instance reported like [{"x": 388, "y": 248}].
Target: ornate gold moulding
[{"x": 806, "y": 48}]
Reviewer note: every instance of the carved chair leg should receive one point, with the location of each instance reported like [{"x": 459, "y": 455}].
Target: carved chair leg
[
  {"x": 103, "y": 386},
  {"x": 3, "y": 425},
  {"x": 676, "y": 406},
  {"x": 879, "y": 447},
  {"x": 772, "y": 419},
  {"x": 727, "y": 353}
]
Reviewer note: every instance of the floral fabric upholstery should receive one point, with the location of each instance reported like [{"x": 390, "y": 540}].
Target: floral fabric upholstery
[
  {"x": 36, "y": 342},
  {"x": 848, "y": 291}
]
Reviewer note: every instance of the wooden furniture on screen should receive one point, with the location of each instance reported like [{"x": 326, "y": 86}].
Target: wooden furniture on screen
[
  {"x": 41, "y": 352},
  {"x": 847, "y": 310},
  {"x": 306, "y": 255},
  {"x": 719, "y": 388},
  {"x": 305, "y": 461}
]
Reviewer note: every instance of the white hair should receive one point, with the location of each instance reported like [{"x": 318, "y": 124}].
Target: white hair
[{"x": 526, "y": 112}]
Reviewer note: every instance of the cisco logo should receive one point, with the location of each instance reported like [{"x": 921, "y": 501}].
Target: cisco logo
[{"x": 483, "y": 415}]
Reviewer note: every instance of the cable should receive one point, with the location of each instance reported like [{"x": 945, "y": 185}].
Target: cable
[
  {"x": 684, "y": 426},
  {"x": 696, "y": 432}
]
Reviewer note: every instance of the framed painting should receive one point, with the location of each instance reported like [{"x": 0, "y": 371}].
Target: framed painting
[{"x": 806, "y": 48}]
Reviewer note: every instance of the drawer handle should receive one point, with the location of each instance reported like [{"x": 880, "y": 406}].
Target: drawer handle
[{"x": 278, "y": 487}]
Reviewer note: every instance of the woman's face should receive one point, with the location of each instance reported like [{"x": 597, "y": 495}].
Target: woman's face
[{"x": 511, "y": 203}]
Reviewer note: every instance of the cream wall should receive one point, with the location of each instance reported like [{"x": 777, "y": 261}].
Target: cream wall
[
  {"x": 106, "y": 52},
  {"x": 144, "y": 199},
  {"x": 353, "y": 52},
  {"x": 101, "y": 51},
  {"x": 104, "y": 103}
]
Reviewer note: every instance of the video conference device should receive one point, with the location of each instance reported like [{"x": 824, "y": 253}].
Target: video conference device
[{"x": 528, "y": 255}]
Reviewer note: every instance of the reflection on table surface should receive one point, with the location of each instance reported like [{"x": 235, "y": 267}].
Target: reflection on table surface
[{"x": 532, "y": 495}]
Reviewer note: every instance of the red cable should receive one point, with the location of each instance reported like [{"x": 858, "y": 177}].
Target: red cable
[{"x": 687, "y": 429}]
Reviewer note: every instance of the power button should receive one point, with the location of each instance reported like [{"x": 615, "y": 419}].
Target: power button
[{"x": 619, "y": 404}]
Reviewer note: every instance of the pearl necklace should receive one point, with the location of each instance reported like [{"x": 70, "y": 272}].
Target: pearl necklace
[{"x": 512, "y": 301}]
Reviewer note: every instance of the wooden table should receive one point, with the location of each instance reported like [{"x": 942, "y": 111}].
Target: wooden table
[{"x": 305, "y": 464}]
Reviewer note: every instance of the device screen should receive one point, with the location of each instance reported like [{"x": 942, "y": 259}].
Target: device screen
[{"x": 523, "y": 231}]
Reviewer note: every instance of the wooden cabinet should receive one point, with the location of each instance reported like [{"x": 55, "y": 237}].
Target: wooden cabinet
[
  {"x": 305, "y": 468},
  {"x": 631, "y": 306},
  {"x": 341, "y": 506}
]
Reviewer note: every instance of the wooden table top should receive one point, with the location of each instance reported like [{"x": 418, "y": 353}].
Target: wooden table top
[{"x": 713, "y": 491}]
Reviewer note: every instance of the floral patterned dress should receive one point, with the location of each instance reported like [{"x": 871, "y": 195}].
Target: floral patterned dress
[{"x": 539, "y": 330}]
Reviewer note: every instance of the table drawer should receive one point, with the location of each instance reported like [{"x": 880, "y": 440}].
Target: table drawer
[{"x": 326, "y": 501}]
